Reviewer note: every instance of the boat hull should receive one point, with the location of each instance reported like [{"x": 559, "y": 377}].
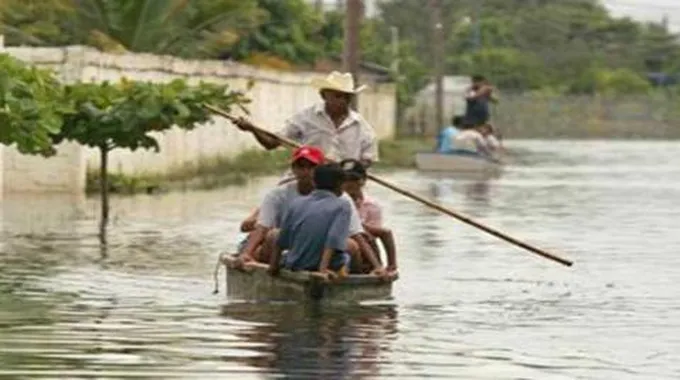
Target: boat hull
[
  {"x": 462, "y": 163},
  {"x": 255, "y": 283}
]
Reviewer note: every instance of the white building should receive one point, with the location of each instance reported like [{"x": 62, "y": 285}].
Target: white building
[{"x": 420, "y": 116}]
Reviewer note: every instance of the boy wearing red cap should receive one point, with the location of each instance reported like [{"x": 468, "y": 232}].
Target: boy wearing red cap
[{"x": 315, "y": 229}]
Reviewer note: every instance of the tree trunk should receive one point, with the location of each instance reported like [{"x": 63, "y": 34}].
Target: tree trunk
[{"x": 104, "y": 192}]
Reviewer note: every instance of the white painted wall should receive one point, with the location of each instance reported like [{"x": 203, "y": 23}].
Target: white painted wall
[
  {"x": 276, "y": 96},
  {"x": 62, "y": 173}
]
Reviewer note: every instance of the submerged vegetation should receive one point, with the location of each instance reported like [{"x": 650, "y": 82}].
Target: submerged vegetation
[{"x": 204, "y": 174}]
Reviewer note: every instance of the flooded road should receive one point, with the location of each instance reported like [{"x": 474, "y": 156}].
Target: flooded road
[{"x": 467, "y": 305}]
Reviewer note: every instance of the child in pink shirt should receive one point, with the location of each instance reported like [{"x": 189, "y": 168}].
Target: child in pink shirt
[{"x": 369, "y": 210}]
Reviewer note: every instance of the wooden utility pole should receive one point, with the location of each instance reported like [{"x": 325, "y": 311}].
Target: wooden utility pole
[
  {"x": 477, "y": 39},
  {"x": 394, "y": 43},
  {"x": 437, "y": 62},
  {"x": 351, "y": 57},
  {"x": 394, "y": 31}
]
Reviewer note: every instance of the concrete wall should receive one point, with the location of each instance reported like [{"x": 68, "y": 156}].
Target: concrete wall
[
  {"x": 62, "y": 173},
  {"x": 276, "y": 96}
]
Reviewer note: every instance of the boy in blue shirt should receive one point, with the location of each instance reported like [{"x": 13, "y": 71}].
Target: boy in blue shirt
[
  {"x": 315, "y": 229},
  {"x": 448, "y": 134}
]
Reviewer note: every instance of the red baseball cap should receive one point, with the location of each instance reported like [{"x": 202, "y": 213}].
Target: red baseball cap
[{"x": 309, "y": 153}]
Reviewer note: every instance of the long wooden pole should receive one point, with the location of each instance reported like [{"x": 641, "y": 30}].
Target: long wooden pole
[{"x": 426, "y": 202}]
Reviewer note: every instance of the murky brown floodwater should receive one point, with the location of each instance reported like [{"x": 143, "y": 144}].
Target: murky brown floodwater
[{"x": 467, "y": 306}]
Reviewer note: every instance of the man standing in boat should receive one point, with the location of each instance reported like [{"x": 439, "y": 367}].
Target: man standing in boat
[
  {"x": 331, "y": 125},
  {"x": 477, "y": 98}
]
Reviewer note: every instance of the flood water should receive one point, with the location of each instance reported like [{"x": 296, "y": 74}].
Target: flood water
[{"x": 467, "y": 305}]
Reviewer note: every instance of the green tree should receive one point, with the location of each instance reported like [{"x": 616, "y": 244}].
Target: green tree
[
  {"x": 38, "y": 22},
  {"x": 412, "y": 75},
  {"x": 621, "y": 82},
  {"x": 610, "y": 82},
  {"x": 196, "y": 28},
  {"x": 331, "y": 35},
  {"x": 554, "y": 42},
  {"x": 125, "y": 115},
  {"x": 509, "y": 68},
  {"x": 176, "y": 27},
  {"x": 414, "y": 21},
  {"x": 30, "y": 106},
  {"x": 291, "y": 31}
]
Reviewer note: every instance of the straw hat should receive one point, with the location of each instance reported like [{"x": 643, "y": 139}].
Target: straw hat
[{"x": 336, "y": 81}]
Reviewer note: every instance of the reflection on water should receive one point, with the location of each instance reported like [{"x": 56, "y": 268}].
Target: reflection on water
[
  {"x": 476, "y": 192},
  {"x": 467, "y": 305},
  {"x": 312, "y": 341},
  {"x": 479, "y": 192}
]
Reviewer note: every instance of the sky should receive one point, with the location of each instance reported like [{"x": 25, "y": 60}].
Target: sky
[
  {"x": 647, "y": 10},
  {"x": 642, "y": 10}
]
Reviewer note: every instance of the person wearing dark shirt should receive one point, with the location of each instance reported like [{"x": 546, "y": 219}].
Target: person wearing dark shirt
[
  {"x": 315, "y": 229},
  {"x": 477, "y": 99}
]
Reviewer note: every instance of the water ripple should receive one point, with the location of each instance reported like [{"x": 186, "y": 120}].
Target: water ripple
[{"x": 467, "y": 306}]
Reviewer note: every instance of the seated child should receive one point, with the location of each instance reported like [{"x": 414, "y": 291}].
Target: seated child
[
  {"x": 315, "y": 229},
  {"x": 370, "y": 211}
]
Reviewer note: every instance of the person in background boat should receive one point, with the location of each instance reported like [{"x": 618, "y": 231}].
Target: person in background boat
[
  {"x": 370, "y": 211},
  {"x": 477, "y": 98},
  {"x": 263, "y": 232},
  {"x": 493, "y": 141},
  {"x": 315, "y": 229},
  {"x": 331, "y": 125},
  {"x": 474, "y": 141},
  {"x": 446, "y": 136}
]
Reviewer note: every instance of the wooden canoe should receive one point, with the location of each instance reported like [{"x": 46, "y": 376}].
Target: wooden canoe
[
  {"x": 456, "y": 163},
  {"x": 254, "y": 283}
]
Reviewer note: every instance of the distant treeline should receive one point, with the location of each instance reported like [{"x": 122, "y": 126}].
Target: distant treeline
[{"x": 569, "y": 47}]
